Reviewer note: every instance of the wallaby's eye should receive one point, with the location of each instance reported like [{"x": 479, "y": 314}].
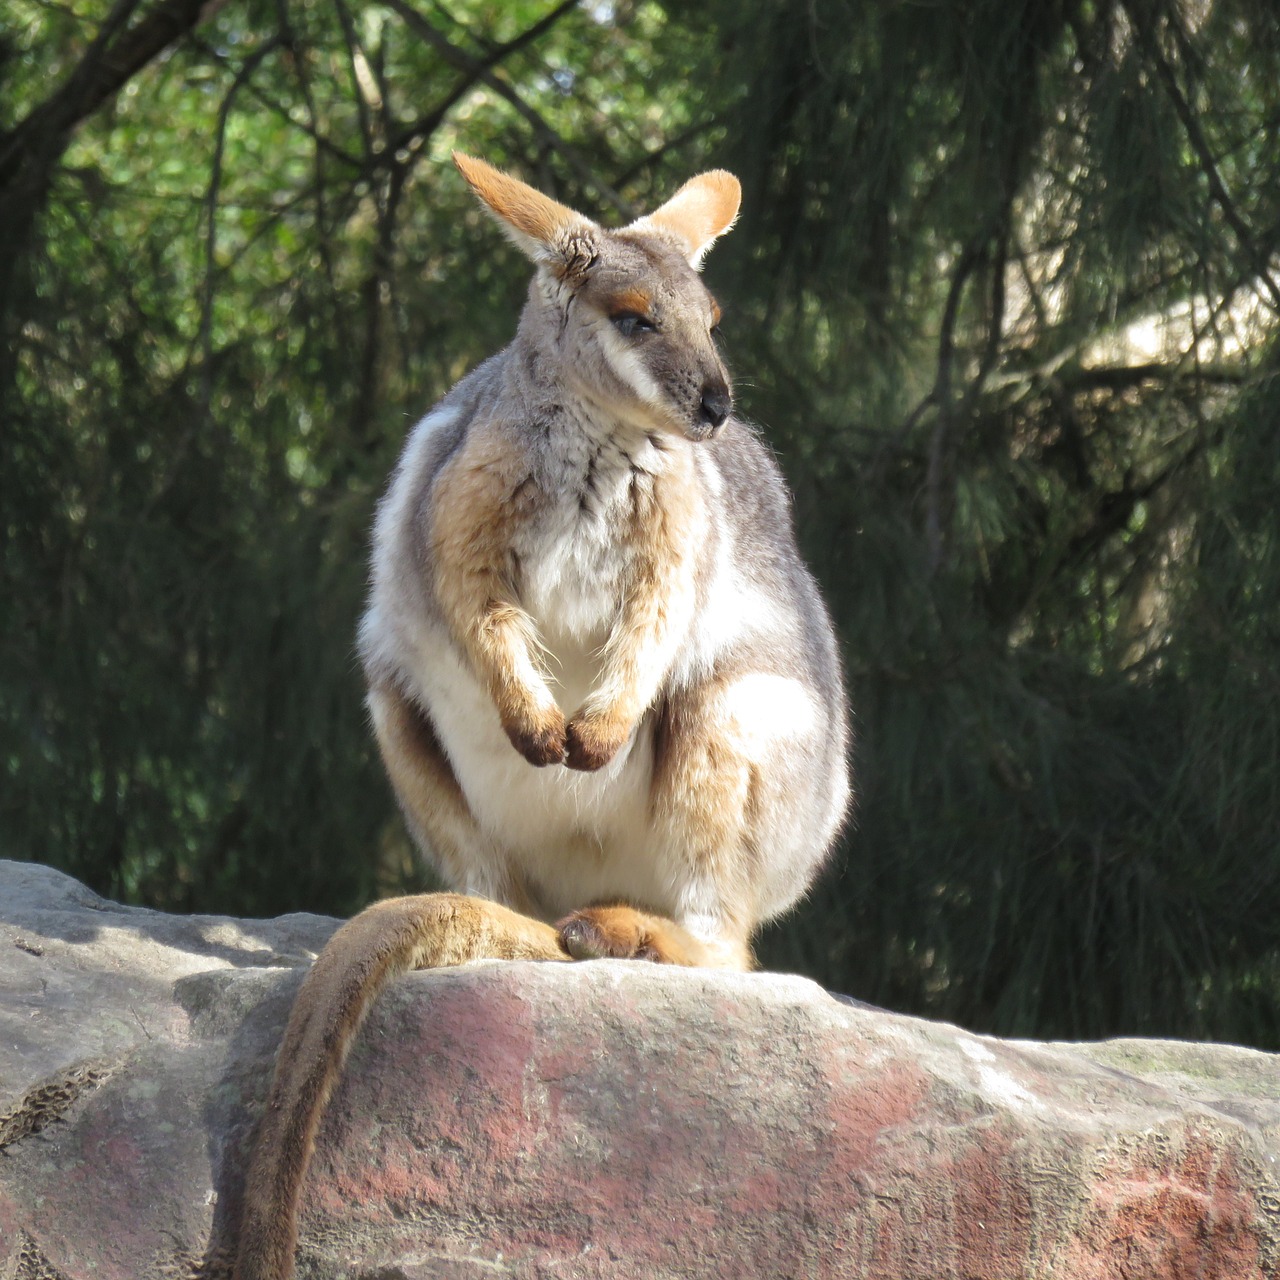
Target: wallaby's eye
[
  {"x": 715, "y": 331},
  {"x": 629, "y": 323}
]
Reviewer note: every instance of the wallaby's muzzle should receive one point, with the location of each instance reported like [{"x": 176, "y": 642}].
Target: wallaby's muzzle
[
  {"x": 715, "y": 407},
  {"x": 713, "y": 410}
]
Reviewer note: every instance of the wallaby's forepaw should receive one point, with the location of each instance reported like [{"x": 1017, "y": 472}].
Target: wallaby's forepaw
[
  {"x": 592, "y": 741},
  {"x": 622, "y": 933},
  {"x": 540, "y": 741}
]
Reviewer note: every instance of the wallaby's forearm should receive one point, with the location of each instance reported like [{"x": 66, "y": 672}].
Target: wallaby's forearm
[{"x": 473, "y": 511}]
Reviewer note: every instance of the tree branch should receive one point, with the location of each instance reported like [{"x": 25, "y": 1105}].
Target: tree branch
[
  {"x": 310, "y": 127},
  {"x": 941, "y": 398},
  {"x": 481, "y": 70},
  {"x": 31, "y": 149},
  {"x": 1200, "y": 145},
  {"x": 251, "y": 64},
  {"x": 107, "y": 66}
]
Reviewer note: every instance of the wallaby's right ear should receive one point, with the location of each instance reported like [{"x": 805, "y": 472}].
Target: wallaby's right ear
[{"x": 552, "y": 234}]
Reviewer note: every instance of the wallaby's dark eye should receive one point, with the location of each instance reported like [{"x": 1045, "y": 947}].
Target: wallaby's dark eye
[
  {"x": 715, "y": 331},
  {"x": 629, "y": 323}
]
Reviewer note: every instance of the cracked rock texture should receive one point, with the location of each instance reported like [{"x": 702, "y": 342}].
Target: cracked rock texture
[{"x": 595, "y": 1120}]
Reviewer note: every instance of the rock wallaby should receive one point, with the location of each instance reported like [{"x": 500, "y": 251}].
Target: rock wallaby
[{"x": 605, "y": 687}]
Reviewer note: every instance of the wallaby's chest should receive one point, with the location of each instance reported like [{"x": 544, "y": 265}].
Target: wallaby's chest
[{"x": 575, "y": 554}]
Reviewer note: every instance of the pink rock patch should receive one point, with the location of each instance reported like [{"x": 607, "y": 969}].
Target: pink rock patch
[{"x": 1175, "y": 1207}]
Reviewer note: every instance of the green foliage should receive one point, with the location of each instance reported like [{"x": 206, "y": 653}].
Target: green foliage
[{"x": 1000, "y": 292}]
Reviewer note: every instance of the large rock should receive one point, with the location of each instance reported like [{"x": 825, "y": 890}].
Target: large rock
[{"x": 595, "y": 1120}]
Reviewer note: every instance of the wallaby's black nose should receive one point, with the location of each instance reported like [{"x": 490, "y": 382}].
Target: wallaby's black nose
[{"x": 715, "y": 406}]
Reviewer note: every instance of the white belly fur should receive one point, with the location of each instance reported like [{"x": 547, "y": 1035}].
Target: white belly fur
[{"x": 575, "y": 837}]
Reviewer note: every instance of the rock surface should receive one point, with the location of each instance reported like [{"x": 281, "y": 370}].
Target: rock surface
[{"x": 595, "y": 1120}]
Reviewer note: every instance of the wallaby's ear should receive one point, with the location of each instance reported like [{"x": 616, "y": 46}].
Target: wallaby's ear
[
  {"x": 700, "y": 212},
  {"x": 551, "y": 234}
]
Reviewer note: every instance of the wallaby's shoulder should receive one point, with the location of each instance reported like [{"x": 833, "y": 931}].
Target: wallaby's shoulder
[
  {"x": 749, "y": 475},
  {"x": 441, "y": 431},
  {"x": 751, "y": 505},
  {"x": 449, "y": 430}
]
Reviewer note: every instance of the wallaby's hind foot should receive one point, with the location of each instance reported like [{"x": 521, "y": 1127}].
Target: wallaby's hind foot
[{"x": 623, "y": 933}]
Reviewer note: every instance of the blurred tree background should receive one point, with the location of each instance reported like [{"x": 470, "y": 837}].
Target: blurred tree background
[{"x": 1004, "y": 295}]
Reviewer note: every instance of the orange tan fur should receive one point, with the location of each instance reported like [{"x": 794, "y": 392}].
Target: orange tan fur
[
  {"x": 635, "y": 300},
  {"x": 700, "y": 212},
  {"x": 620, "y": 930},
  {"x": 604, "y": 686},
  {"x": 473, "y": 502},
  {"x": 529, "y": 217}
]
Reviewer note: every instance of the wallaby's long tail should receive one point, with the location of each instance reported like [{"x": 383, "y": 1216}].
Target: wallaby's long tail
[{"x": 388, "y": 939}]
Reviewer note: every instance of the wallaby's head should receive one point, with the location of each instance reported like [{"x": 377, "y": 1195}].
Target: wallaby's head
[{"x": 624, "y": 313}]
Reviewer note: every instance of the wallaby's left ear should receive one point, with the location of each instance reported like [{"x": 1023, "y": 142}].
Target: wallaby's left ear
[
  {"x": 699, "y": 213},
  {"x": 552, "y": 234}
]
